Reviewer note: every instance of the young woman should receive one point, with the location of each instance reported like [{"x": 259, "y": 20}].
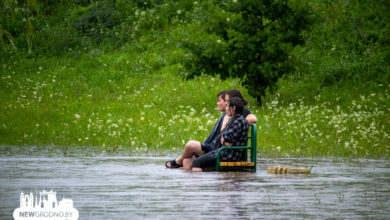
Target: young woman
[{"x": 251, "y": 118}]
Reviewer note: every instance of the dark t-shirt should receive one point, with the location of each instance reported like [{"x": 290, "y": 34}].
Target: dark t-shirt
[{"x": 246, "y": 112}]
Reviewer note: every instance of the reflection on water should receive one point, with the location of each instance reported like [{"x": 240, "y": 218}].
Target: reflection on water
[{"x": 104, "y": 186}]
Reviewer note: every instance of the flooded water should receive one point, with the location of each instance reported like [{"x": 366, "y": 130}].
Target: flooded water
[{"x": 107, "y": 186}]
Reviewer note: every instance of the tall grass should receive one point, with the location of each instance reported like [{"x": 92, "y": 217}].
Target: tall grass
[
  {"x": 346, "y": 123},
  {"x": 116, "y": 84},
  {"x": 115, "y": 102},
  {"x": 108, "y": 101}
]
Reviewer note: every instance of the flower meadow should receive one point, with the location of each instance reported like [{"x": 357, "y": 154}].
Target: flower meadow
[
  {"x": 72, "y": 104},
  {"x": 100, "y": 102},
  {"x": 359, "y": 127}
]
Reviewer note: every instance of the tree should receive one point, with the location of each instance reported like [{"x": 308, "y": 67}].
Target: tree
[{"x": 249, "y": 39}]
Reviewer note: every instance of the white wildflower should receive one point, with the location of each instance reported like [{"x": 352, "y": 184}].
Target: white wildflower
[{"x": 163, "y": 114}]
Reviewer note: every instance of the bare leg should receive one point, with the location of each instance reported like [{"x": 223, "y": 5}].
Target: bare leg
[
  {"x": 191, "y": 148},
  {"x": 187, "y": 163}
]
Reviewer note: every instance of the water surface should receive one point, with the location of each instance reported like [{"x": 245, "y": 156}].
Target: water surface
[{"x": 119, "y": 186}]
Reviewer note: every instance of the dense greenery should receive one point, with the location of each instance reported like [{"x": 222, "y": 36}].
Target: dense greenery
[
  {"x": 250, "y": 40},
  {"x": 110, "y": 73}
]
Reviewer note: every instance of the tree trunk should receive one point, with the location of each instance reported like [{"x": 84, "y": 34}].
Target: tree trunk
[{"x": 258, "y": 98}]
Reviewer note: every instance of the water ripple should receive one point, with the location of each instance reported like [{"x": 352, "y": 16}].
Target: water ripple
[{"x": 106, "y": 186}]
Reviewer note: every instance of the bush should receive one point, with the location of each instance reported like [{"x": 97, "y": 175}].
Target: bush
[{"x": 348, "y": 43}]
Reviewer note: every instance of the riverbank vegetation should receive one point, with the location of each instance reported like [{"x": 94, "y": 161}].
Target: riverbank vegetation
[{"x": 111, "y": 74}]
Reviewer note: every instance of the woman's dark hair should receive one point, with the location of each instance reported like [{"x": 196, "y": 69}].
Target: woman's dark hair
[
  {"x": 222, "y": 94},
  {"x": 238, "y": 103},
  {"x": 236, "y": 93}
]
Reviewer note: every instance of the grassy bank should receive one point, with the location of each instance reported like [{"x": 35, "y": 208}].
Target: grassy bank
[
  {"x": 114, "y": 82},
  {"x": 349, "y": 121},
  {"x": 89, "y": 101}
]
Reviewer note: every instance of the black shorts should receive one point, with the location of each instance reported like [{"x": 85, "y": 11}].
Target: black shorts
[
  {"x": 206, "y": 160},
  {"x": 207, "y": 147}
]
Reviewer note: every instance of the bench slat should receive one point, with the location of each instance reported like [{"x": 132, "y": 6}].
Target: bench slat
[{"x": 237, "y": 164}]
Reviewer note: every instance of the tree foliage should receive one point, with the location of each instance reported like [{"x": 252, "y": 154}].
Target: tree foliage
[{"x": 250, "y": 40}]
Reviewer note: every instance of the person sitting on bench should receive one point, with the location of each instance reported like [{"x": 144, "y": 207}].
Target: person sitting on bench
[
  {"x": 195, "y": 147},
  {"x": 235, "y": 134}
]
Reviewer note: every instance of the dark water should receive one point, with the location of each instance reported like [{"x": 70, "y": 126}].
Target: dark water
[{"x": 104, "y": 186}]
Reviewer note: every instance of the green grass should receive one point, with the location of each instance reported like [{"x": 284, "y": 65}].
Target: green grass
[
  {"x": 127, "y": 93},
  {"x": 338, "y": 122},
  {"x": 87, "y": 102},
  {"x": 108, "y": 101}
]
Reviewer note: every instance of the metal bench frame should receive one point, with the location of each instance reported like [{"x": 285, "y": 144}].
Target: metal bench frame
[{"x": 243, "y": 164}]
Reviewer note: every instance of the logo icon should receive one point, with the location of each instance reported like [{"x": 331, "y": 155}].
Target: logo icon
[{"x": 45, "y": 207}]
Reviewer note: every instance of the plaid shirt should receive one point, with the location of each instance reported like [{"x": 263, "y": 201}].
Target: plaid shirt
[{"x": 236, "y": 133}]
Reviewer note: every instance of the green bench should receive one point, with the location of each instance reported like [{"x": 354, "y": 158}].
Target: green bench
[{"x": 248, "y": 161}]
